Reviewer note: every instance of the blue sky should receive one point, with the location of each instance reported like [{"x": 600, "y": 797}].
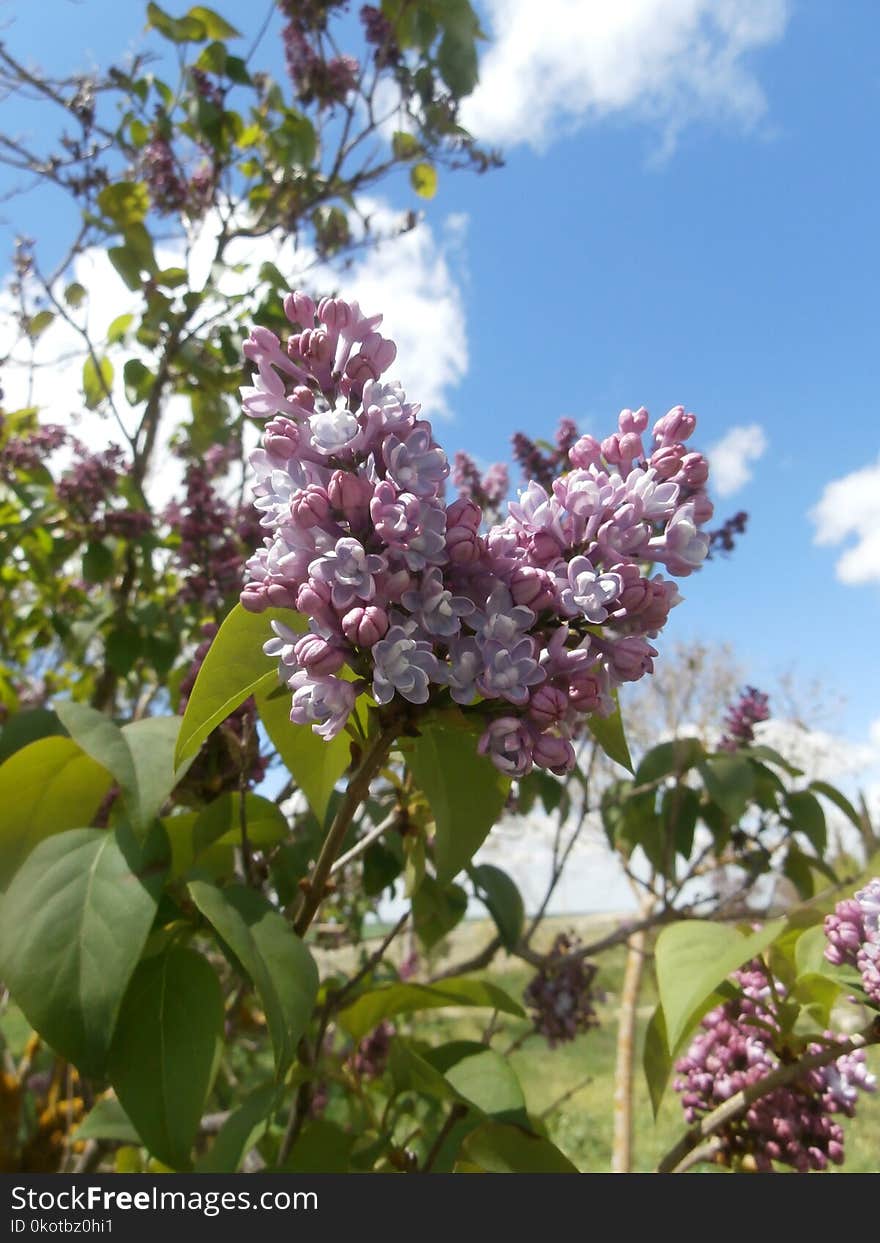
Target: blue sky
[{"x": 688, "y": 213}]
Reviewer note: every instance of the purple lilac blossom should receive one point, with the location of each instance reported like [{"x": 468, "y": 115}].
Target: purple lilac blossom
[
  {"x": 794, "y": 1125},
  {"x": 530, "y": 622}
]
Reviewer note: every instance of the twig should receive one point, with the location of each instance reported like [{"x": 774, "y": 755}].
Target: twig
[
  {"x": 678, "y": 1159},
  {"x": 364, "y": 844},
  {"x": 358, "y": 789},
  {"x": 456, "y": 1113}
]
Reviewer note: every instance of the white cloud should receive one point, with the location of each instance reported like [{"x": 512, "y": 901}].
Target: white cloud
[
  {"x": 556, "y": 65},
  {"x": 731, "y": 458},
  {"x": 850, "y": 508}
]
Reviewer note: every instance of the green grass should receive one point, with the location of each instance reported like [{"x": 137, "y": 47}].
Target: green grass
[{"x": 582, "y": 1125}]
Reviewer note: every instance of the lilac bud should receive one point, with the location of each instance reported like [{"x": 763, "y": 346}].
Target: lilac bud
[
  {"x": 282, "y": 437},
  {"x": 350, "y": 494},
  {"x": 313, "y": 599},
  {"x": 365, "y": 626},
  {"x": 553, "y": 752},
  {"x": 667, "y": 460},
  {"x": 631, "y": 657},
  {"x": 674, "y": 425},
  {"x": 464, "y": 513},
  {"x": 534, "y": 587},
  {"x": 300, "y": 309},
  {"x": 318, "y": 656},
  {"x": 695, "y": 469},
  {"x": 585, "y": 452},
  {"x": 310, "y": 507},
  {"x": 611, "y": 449},
  {"x": 634, "y": 421},
  {"x": 547, "y": 706},
  {"x": 463, "y": 546}
]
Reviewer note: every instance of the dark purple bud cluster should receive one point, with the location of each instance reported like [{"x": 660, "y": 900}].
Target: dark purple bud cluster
[
  {"x": 380, "y": 33},
  {"x": 27, "y": 451},
  {"x": 316, "y": 79},
  {"x": 742, "y": 717},
  {"x": 212, "y": 533},
  {"x": 561, "y": 995},
  {"x": 723, "y": 539},
  {"x": 853, "y": 932},
  {"x": 369, "y": 1059},
  {"x": 88, "y": 490},
  {"x": 795, "y": 1125},
  {"x": 488, "y": 490},
  {"x": 165, "y": 181}
]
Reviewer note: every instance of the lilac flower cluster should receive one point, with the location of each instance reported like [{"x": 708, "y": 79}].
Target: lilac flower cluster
[
  {"x": 369, "y": 1059},
  {"x": 561, "y": 995},
  {"x": 165, "y": 182},
  {"x": 853, "y": 932},
  {"x": 723, "y": 539},
  {"x": 212, "y": 535},
  {"x": 88, "y": 489},
  {"x": 742, "y": 717},
  {"x": 794, "y": 1125},
  {"x": 536, "y": 621},
  {"x": 488, "y": 490},
  {"x": 316, "y": 79},
  {"x": 540, "y": 463},
  {"x": 27, "y": 451},
  {"x": 380, "y": 33}
]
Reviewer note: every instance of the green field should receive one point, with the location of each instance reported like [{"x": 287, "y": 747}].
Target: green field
[{"x": 582, "y": 1125}]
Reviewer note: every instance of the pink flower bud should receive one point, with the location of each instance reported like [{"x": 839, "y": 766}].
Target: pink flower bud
[
  {"x": 254, "y": 599},
  {"x": 464, "y": 513},
  {"x": 533, "y": 587},
  {"x": 585, "y": 689},
  {"x": 351, "y": 495},
  {"x": 547, "y": 706},
  {"x": 585, "y": 452},
  {"x": 611, "y": 449},
  {"x": 674, "y": 425},
  {"x": 667, "y": 460},
  {"x": 635, "y": 421},
  {"x": 318, "y": 655},
  {"x": 313, "y": 599},
  {"x": 365, "y": 626},
  {"x": 703, "y": 508},
  {"x": 300, "y": 309},
  {"x": 463, "y": 547},
  {"x": 280, "y": 596},
  {"x": 311, "y": 506},
  {"x": 282, "y": 437},
  {"x": 695, "y": 469},
  {"x": 631, "y": 657},
  {"x": 551, "y": 751}
]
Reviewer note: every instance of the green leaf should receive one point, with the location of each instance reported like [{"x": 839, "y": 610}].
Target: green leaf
[
  {"x": 138, "y": 381},
  {"x": 487, "y": 1081},
  {"x": 97, "y": 562},
  {"x": 693, "y": 957},
  {"x": 97, "y": 381},
  {"x": 220, "y": 821},
  {"x": 457, "y": 60},
  {"x": 437, "y": 909},
  {"x": 839, "y": 800},
  {"x": 464, "y": 790},
  {"x": 423, "y": 179},
  {"x": 177, "y": 29},
  {"x": 37, "y": 324},
  {"x": 216, "y": 27},
  {"x": 140, "y": 755},
  {"x": 127, "y": 264},
  {"x": 165, "y": 1050},
  {"x": 119, "y": 328},
  {"x": 74, "y": 294},
  {"x": 240, "y": 1131},
  {"x": 323, "y": 1148},
  {"x": 46, "y": 787},
  {"x": 672, "y": 758},
  {"x": 609, "y": 733},
  {"x": 389, "y": 999},
  {"x": 274, "y": 957},
  {"x": 503, "y": 899},
  {"x": 108, "y": 1121},
  {"x": 500, "y": 1149},
  {"x": 72, "y": 927},
  {"x": 808, "y": 818},
  {"x": 729, "y": 782},
  {"x": 125, "y": 202},
  {"x": 234, "y": 668},
  {"x": 809, "y": 950},
  {"x": 656, "y": 1061},
  {"x": 26, "y": 727},
  {"x": 315, "y": 764},
  {"x": 405, "y": 146}
]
